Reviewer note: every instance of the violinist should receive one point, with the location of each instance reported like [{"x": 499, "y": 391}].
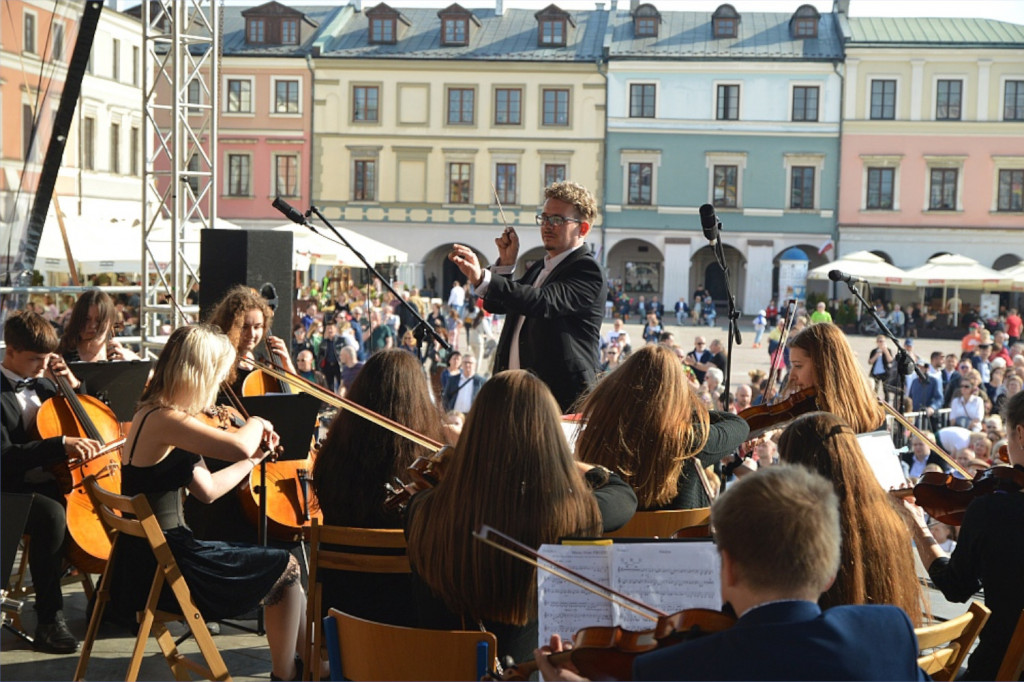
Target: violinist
[
  {"x": 88, "y": 335},
  {"x": 821, "y": 358},
  {"x": 644, "y": 422},
  {"x": 245, "y": 317},
  {"x": 778, "y": 534},
  {"x": 31, "y": 342},
  {"x": 878, "y": 564},
  {"x": 354, "y": 463},
  {"x": 989, "y": 554},
  {"x": 512, "y": 470},
  {"x": 161, "y": 458}
]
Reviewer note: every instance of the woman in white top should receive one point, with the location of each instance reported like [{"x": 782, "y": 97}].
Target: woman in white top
[{"x": 967, "y": 409}]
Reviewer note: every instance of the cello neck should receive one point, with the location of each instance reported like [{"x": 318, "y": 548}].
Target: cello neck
[{"x": 81, "y": 415}]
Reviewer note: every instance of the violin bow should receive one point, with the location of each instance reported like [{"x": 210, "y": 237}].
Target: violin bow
[
  {"x": 773, "y": 372},
  {"x": 909, "y": 426},
  {"x": 534, "y": 558}
]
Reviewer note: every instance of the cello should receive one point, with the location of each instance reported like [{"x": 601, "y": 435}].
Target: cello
[{"x": 69, "y": 414}]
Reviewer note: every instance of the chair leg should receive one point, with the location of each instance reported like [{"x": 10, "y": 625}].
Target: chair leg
[
  {"x": 170, "y": 652},
  {"x": 91, "y": 632}
]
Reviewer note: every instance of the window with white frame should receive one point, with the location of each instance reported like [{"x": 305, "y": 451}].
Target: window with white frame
[
  {"x": 239, "y": 175},
  {"x": 286, "y": 96},
  {"x": 1013, "y": 100},
  {"x": 727, "y": 107},
  {"x": 89, "y": 143},
  {"x": 289, "y": 31},
  {"x": 642, "y": 100},
  {"x": 28, "y": 40},
  {"x": 115, "y": 148},
  {"x": 883, "y": 99},
  {"x": 945, "y": 182},
  {"x": 239, "y": 99},
  {"x": 506, "y": 182},
  {"x": 460, "y": 182},
  {"x": 135, "y": 151},
  {"x": 725, "y": 178},
  {"x": 553, "y": 172},
  {"x": 508, "y": 106},
  {"x": 803, "y": 180},
  {"x": 880, "y": 178},
  {"x": 365, "y": 103},
  {"x": 555, "y": 102},
  {"x": 364, "y": 180},
  {"x": 58, "y": 41},
  {"x": 640, "y": 176},
  {"x": 286, "y": 175},
  {"x": 115, "y": 70},
  {"x": 948, "y": 99},
  {"x": 805, "y": 102},
  {"x": 1010, "y": 190}
]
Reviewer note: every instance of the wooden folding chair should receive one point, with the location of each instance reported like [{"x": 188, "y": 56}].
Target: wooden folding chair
[
  {"x": 1013, "y": 661},
  {"x": 117, "y": 512},
  {"x": 944, "y": 646},
  {"x": 662, "y": 524},
  {"x": 367, "y": 550},
  {"x": 415, "y": 653}
]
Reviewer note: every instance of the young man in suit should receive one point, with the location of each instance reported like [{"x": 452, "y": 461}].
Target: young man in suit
[
  {"x": 777, "y": 531},
  {"x": 461, "y": 390},
  {"x": 554, "y": 313},
  {"x": 31, "y": 342}
]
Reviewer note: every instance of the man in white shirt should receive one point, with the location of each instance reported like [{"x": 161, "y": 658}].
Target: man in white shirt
[{"x": 461, "y": 390}]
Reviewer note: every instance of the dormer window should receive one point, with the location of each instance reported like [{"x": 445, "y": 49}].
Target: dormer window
[
  {"x": 457, "y": 25},
  {"x": 290, "y": 32},
  {"x": 382, "y": 30},
  {"x": 804, "y": 23},
  {"x": 256, "y": 31},
  {"x": 646, "y": 19},
  {"x": 553, "y": 26},
  {"x": 386, "y": 25},
  {"x": 725, "y": 22}
]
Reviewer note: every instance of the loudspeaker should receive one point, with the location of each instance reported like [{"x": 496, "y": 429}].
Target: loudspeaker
[{"x": 259, "y": 259}]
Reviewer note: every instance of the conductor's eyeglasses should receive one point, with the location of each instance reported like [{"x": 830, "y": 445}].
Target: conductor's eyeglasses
[{"x": 554, "y": 220}]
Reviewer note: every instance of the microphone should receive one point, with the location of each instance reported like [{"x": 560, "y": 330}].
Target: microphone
[
  {"x": 840, "y": 276},
  {"x": 289, "y": 211},
  {"x": 709, "y": 223}
]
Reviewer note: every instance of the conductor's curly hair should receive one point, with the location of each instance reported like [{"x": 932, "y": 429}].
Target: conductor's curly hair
[{"x": 577, "y": 195}]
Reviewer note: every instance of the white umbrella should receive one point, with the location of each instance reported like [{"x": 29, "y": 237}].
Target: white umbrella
[
  {"x": 868, "y": 266},
  {"x": 1015, "y": 273},
  {"x": 959, "y": 272},
  {"x": 327, "y": 251}
]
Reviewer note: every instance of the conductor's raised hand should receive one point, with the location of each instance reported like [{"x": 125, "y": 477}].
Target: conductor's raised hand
[
  {"x": 508, "y": 247},
  {"x": 466, "y": 261}
]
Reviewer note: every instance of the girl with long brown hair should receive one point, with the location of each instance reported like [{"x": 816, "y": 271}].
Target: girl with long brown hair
[
  {"x": 512, "y": 470},
  {"x": 89, "y": 333},
  {"x": 246, "y": 317},
  {"x": 644, "y": 422},
  {"x": 354, "y": 463},
  {"x": 877, "y": 561},
  {"x": 821, "y": 358}
]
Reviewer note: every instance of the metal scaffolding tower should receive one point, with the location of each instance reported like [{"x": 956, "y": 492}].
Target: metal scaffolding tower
[{"x": 180, "y": 92}]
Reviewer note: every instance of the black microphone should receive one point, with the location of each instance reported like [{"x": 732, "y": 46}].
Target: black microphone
[
  {"x": 840, "y": 276},
  {"x": 709, "y": 223},
  {"x": 739, "y": 336},
  {"x": 289, "y": 211}
]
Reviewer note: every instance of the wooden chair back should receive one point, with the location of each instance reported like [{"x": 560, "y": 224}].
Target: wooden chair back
[
  {"x": 944, "y": 646},
  {"x": 662, "y": 524},
  {"x": 1013, "y": 662},
  {"x": 367, "y": 550},
  {"x": 133, "y": 516},
  {"x": 416, "y": 654}
]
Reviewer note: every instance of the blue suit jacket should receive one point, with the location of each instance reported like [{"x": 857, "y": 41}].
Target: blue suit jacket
[{"x": 795, "y": 640}]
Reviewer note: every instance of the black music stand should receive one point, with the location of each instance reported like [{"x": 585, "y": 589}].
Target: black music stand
[
  {"x": 118, "y": 384},
  {"x": 293, "y": 416}
]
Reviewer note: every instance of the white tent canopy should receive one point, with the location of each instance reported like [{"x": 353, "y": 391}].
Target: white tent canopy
[
  {"x": 959, "y": 272},
  {"x": 325, "y": 250},
  {"x": 867, "y": 266},
  {"x": 1015, "y": 273}
]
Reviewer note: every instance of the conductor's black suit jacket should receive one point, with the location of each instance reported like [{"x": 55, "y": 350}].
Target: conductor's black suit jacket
[{"x": 561, "y": 334}]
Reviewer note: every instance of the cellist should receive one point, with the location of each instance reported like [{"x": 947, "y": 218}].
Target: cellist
[{"x": 31, "y": 342}]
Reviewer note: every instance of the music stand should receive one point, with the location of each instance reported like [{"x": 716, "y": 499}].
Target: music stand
[
  {"x": 293, "y": 416},
  {"x": 118, "y": 384}
]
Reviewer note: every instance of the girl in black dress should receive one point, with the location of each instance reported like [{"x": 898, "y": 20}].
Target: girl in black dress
[{"x": 160, "y": 459}]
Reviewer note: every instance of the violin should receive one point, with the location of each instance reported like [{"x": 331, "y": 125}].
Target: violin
[
  {"x": 946, "y": 497},
  {"x": 761, "y": 418},
  {"x": 607, "y": 652},
  {"x": 424, "y": 473},
  {"x": 69, "y": 414}
]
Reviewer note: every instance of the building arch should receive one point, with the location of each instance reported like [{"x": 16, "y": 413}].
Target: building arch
[
  {"x": 636, "y": 267},
  {"x": 439, "y": 272},
  {"x": 886, "y": 257},
  {"x": 815, "y": 259},
  {"x": 1007, "y": 260},
  {"x": 707, "y": 273}
]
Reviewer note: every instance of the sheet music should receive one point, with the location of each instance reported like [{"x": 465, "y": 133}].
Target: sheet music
[
  {"x": 880, "y": 452},
  {"x": 564, "y": 608},
  {"x": 669, "y": 576}
]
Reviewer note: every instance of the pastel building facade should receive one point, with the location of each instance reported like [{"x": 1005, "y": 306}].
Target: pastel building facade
[{"x": 933, "y": 140}]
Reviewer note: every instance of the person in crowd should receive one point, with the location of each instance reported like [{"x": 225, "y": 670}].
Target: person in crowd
[
  {"x": 968, "y": 409},
  {"x": 820, "y": 314},
  {"x": 89, "y": 333},
  {"x": 682, "y": 309},
  {"x": 27, "y": 374},
  {"x": 300, "y": 341},
  {"x": 760, "y": 324},
  {"x": 709, "y": 311},
  {"x": 409, "y": 345},
  {"x": 612, "y": 357},
  {"x": 699, "y": 359},
  {"x": 618, "y": 334},
  {"x": 554, "y": 313},
  {"x": 920, "y": 456},
  {"x": 516, "y": 475},
  {"x": 164, "y": 454},
  {"x": 880, "y": 362},
  {"x": 652, "y": 329},
  {"x": 822, "y": 359},
  {"x": 778, "y": 535},
  {"x": 306, "y": 370},
  {"x": 327, "y": 359},
  {"x": 744, "y": 398},
  {"x": 350, "y": 368},
  {"x": 457, "y": 298},
  {"x": 357, "y": 459},
  {"x": 459, "y": 393},
  {"x": 877, "y": 562},
  {"x": 989, "y": 555},
  {"x": 657, "y": 449}
]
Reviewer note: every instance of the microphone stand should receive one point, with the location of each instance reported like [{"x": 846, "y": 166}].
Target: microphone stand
[
  {"x": 904, "y": 365},
  {"x": 734, "y": 316},
  {"x": 422, "y": 328}
]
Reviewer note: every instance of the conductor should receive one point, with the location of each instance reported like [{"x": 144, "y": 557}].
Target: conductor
[{"x": 554, "y": 312}]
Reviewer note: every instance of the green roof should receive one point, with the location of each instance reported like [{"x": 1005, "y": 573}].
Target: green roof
[{"x": 948, "y": 32}]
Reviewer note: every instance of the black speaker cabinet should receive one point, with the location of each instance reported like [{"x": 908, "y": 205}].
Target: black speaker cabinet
[{"x": 259, "y": 259}]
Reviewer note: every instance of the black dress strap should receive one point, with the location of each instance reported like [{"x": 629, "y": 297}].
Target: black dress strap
[{"x": 131, "y": 450}]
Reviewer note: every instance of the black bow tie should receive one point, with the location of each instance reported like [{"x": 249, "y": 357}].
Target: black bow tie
[{"x": 26, "y": 384}]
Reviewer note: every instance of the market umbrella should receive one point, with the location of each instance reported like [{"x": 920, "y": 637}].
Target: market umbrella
[
  {"x": 867, "y": 266},
  {"x": 959, "y": 272}
]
